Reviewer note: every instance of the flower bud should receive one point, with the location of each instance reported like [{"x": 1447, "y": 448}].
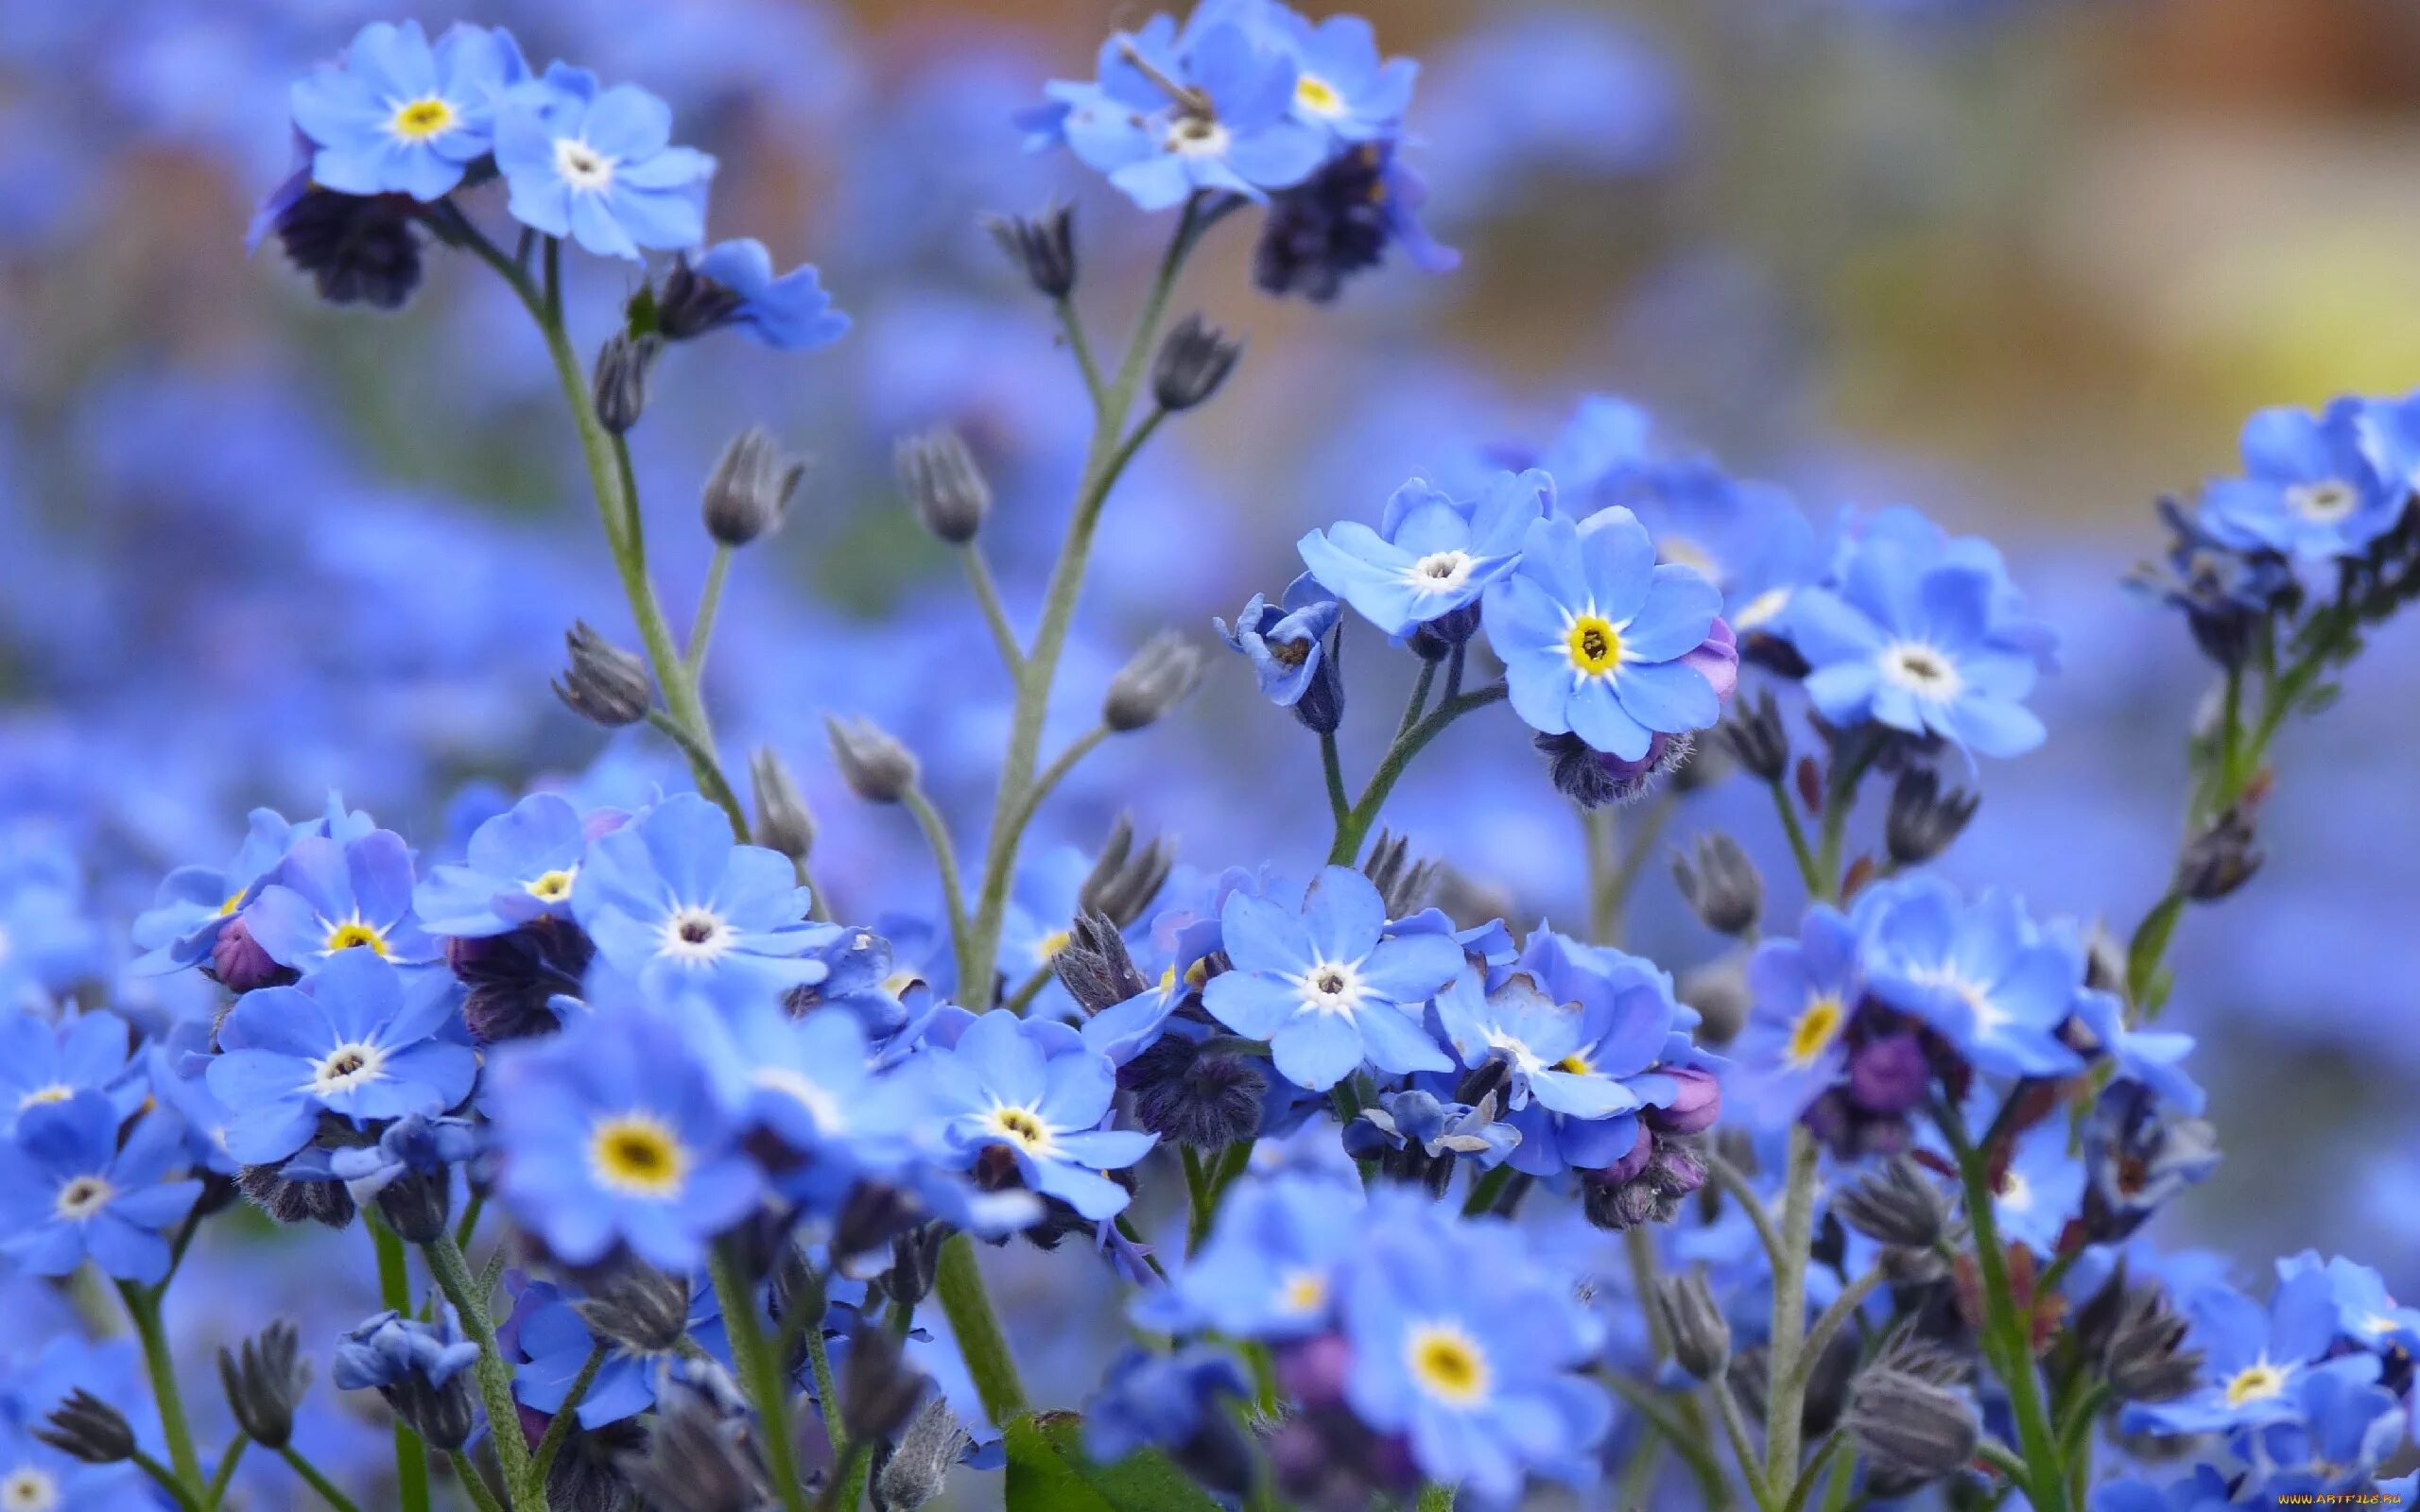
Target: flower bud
[
  {"x": 1720, "y": 885},
  {"x": 85, "y": 1428},
  {"x": 1123, "y": 881},
  {"x": 1695, "y": 1107},
  {"x": 1889, "y": 1075},
  {"x": 1042, "y": 247},
  {"x": 324, "y": 1202},
  {"x": 1194, "y": 359},
  {"x": 605, "y": 684},
  {"x": 422, "y": 1369},
  {"x": 1910, "y": 1426},
  {"x": 1592, "y": 778},
  {"x": 701, "y": 1455},
  {"x": 1923, "y": 819},
  {"x": 1896, "y": 1204},
  {"x": 2146, "y": 1360},
  {"x": 2220, "y": 859},
  {"x": 240, "y": 963},
  {"x": 1095, "y": 965},
  {"x": 688, "y": 303},
  {"x": 877, "y": 767},
  {"x": 1203, "y": 1100},
  {"x": 635, "y": 1305},
  {"x": 1701, "y": 1335},
  {"x": 263, "y": 1382},
  {"x": 877, "y": 1390},
  {"x": 915, "y": 1261},
  {"x": 749, "y": 487},
  {"x": 915, "y": 1471},
  {"x": 1404, "y": 883},
  {"x": 1719, "y": 990},
  {"x": 622, "y": 380},
  {"x": 942, "y": 481},
  {"x": 1755, "y": 738},
  {"x": 783, "y": 823},
  {"x": 1155, "y": 680}
]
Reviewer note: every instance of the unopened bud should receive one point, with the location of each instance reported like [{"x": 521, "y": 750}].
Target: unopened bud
[
  {"x": 1124, "y": 880},
  {"x": 1155, "y": 680},
  {"x": 1897, "y": 1204},
  {"x": 915, "y": 1471},
  {"x": 749, "y": 489},
  {"x": 263, "y": 1380},
  {"x": 604, "y": 684},
  {"x": 85, "y": 1428},
  {"x": 2146, "y": 1359},
  {"x": 1923, "y": 819},
  {"x": 783, "y": 823},
  {"x": 877, "y": 1390},
  {"x": 1701, "y": 1335},
  {"x": 1042, "y": 247},
  {"x": 1195, "y": 358},
  {"x": 1911, "y": 1424},
  {"x": 635, "y": 1305},
  {"x": 1095, "y": 965},
  {"x": 1403, "y": 883},
  {"x": 1754, "y": 736},
  {"x": 625, "y": 367},
  {"x": 877, "y": 767},
  {"x": 1205, "y": 1100},
  {"x": 2220, "y": 859},
  {"x": 941, "y": 479},
  {"x": 1721, "y": 883}
]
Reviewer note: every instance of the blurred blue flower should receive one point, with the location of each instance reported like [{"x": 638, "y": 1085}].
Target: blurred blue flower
[
  {"x": 1979, "y": 973},
  {"x": 2312, "y": 488},
  {"x": 2254, "y": 1359},
  {"x": 68, "y": 1191},
  {"x": 1270, "y": 1267},
  {"x": 42, "y": 1062},
  {"x": 791, "y": 312},
  {"x": 1801, "y": 993}
]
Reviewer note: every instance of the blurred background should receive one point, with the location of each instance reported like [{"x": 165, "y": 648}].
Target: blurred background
[{"x": 2022, "y": 264}]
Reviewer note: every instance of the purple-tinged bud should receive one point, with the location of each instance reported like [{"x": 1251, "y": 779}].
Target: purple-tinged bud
[
  {"x": 1205, "y": 1102},
  {"x": 1314, "y": 1371},
  {"x": 1632, "y": 1192},
  {"x": 1888, "y": 1075},
  {"x": 239, "y": 964},
  {"x": 1695, "y": 1109},
  {"x": 1630, "y": 1166}
]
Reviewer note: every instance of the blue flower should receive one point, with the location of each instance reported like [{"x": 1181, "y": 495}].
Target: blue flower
[
  {"x": 69, "y": 1189},
  {"x": 1268, "y": 1269},
  {"x": 1324, "y": 987},
  {"x": 414, "y": 1144},
  {"x": 330, "y": 897},
  {"x": 1469, "y": 1347},
  {"x": 1036, "y": 1090},
  {"x": 359, "y": 1038},
  {"x": 42, "y": 1062},
  {"x": 597, "y": 165},
  {"x": 1594, "y": 635},
  {"x": 611, "y": 1133},
  {"x": 2254, "y": 1358},
  {"x": 675, "y": 904},
  {"x": 810, "y": 1084},
  {"x": 418, "y": 1368},
  {"x": 1173, "y": 114},
  {"x": 861, "y": 980},
  {"x": 1925, "y": 648},
  {"x": 1413, "y": 1118},
  {"x": 2365, "y": 1312},
  {"x": 791, "y": 312},
  {"x": 46, "y": 941},
  {"x": 1163, "y": 1402},
  {"x": 1802, "y": 992},
  {"x": 1286, "y": 642},
  {"x": 33, "y": 1475},
  {"x": 2152, "y": 1057},
  {"x": 196, "y": 902},
  {"x": 519, "y": 867},
  {"x": 1431, "y": 555},
  {"x": 2312, "y": 490},
  {"x": 1979, "y": 973},
  {"x": 1540, "y": 1041},
  {"x": 401, "y": 116},
  {"x": 554, "y": 1343},
  {"x": 1341, "y": 81},
  {"x": 2040, "y": 1189}
]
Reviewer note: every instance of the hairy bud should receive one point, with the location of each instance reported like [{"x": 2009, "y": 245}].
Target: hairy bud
[
  {"x": 605, "y": 684},
  {"x": 1404, "y": 883},
  {"x": 783, "y": 823},
  {"x": 1095, "y": 965},
  {"x": 1911, "y": 1424},
  {"x": 877, "y": 1390},
  {"x": 749, "y": 487},
  {"x": 85, "y": 1428},
  {"x": 1896, "y": 1204},
  {"x": 1157, "y": 679},
  {"x": 637, "y": 1306},
  {"x": 914, "y": 1472},
  {"x": 1923, "y": 819},
  {"x": 623, "y": 379},
  {"x": 1194, "y": 359},
  {"x": 1754, "y": 734},
  {"x": 1721, "y": 883},
  {"x": 877, "y": 767},
  {"x": 940, "y": 478},
  {"x": 1701, "y": 1337},
  {"x": 2220, "y": 859},
  {"x": 1124, "y": 880},
  {"x": 1042, "y": 247}
]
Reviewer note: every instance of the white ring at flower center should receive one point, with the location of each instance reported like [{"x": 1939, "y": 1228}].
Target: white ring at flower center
[
  {"x": 2324, "y": 503},
  {"x": 582, "y": 167},
  {"x": 1195, "y": 136},
  {"x": 28, "y": 1489},
  {"x": 1923, "y": 670},
  {"x": 346, "y": 1067},
  {"x": 696, "y": 937},
  {"x": 1440, "y": 572},
  {"x": 83, "y": 1196},
  {"x": 1332, "y": 987}
]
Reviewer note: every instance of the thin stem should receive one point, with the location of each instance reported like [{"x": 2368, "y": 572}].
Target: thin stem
[
  {"x": 827, "y": 1388},
  {"x": 970, "y": 968},
  {"x": 228, "y": 1458},
  {"x": 703, "y": 767},
  {"x": 2041, "y": 1473},
  {"x": 848, "y": 1484},
  {"x": 396, "y": 1291},
  {"x": 167, "y": 1481},
  {"x": 760, "y": 1375},
  {"x": 1996, "y": 1454},
  {"x": 1018, "y": 1001},
  {"x": 987, "y": 594},
  {"x": 452, "y": 1275},
  {"x": 1731, "y": 1179},
  {"x": 1340, "y": 806},
  {"x": 1485, "y": 1190},
  {"x": 317, "y": 1482},
  {"x": 143, "y": 1308},
  {"x": 558, "y": 1429},
  {"x": 1787, "y": 807},
  {"x": 469, "y": 1228},
  {"x": 1652, "y": 821},
  {"x": 1391, "y": 769},
  {"x": 1786, "y": 1385},
  {"x": 1418, "y": 703},
  {"x": 1197, "y": 1198},
  {"x": 1830, "y": 1321},
  {"x": 1054, "y": 774},
  {"x": 702, "y": 628},
  {"x": 1073, "y": 324},
  {"x": 473, "y": 1483},
  {"x": 1714, "y": 1492},
  {"x": 959, "y": 1286},
  {"x": 1743, "y": 1446},
  {"x": 1816, "y": 1465}
]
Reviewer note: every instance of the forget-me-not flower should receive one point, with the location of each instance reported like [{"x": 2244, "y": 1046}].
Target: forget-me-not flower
[
  {"x": 1431, "y": 553},
  {"x": 1035, "y": 1089},
  {"x": 1979, "y": 973},
  {"x": 330, "y": 897},
  {"x": 69, "y": 1189},
  {"x": 2312, "y": 488},
  {"x": 597, "y": 165},
  {"x": 401, "y": 115},
  {"x": 519, "y": 867}
]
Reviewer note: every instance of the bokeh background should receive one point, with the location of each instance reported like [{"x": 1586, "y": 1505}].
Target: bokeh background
[{"x": 2024, "y": 264}]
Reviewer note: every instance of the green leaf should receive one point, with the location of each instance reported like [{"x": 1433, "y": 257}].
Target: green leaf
[{"x": 1049, "y": 1473}]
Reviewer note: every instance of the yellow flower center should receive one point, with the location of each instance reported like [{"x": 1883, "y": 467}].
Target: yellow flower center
[
  {"x": 353, "y": 932},
  {"x": 418, "y": 120},
  {"x": 1761, "y": 608},
  {"x": 232, "y": 899},
  {"x": 638, "y": 1155},
  {"x": 552, "y": 887},
  {"x": 1046, "y": 949},
  {"x": 1593, "y": 645},
  {"x": 1815, "y": 1029},
  {"x": 2255, "y": 1382},
  {"x": 1024, "y": 1126},
  {"x": 1445, "y": 1362},
  {"x": 346, "y": 1067},
  {"x": 1304, "y": 1291},
  {"x": 58, "y": 1091},
  {"x": 1575, "y": 1063},
  {"x": 1317, "y": 96}
]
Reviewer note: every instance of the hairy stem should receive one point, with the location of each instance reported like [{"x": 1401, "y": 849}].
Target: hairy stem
[
  {"x": 452, "y": 1275},
  {"x": 143, "y": 1310},
  {"x": 396, "y": 1292},
  {"x": 559, "y": 1429},
  {"x": 760, "y": 1375},
  {"x": 1364, "y": 814},
  {"x": 1785, "y": 1386},
  {"x": 959, "y": 1286}
]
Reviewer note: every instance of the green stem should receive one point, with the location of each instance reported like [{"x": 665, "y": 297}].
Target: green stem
[
  {"x": 1196, "y": 1193},
  {"x": 1690, "y": 1441},
  {"x": 473, "y": 1485},
  {"x": 559, "y": 1427},
  {"x": 1418, "y": 703},
  {"x": 703, "y": 767},
  {"x": 143, "y": 1308},
  {"x": 494, "y": 1376},
  {"x": 1110, "y": 448},
  {"x": 928, "y": 819},
  {"x": 469, "y": 1228},
  {"x": 959, "y": 1286},
  {"x": 1816, "y": 1465},
  {"x": 827, "y": 1387},
  {"x": 1070, "y": 322},
  {"x": 1340, "y": 806},
  {"x": 848, "y": 1487},
  {"x": 166, "y": 1479},
  {"x": 1730, "y": 1178},
  {"x": 1785, "y": 1385},
  {"x": 701, "y": 630},
  {"x": 317, "y": 1482},
  {"x": 1626, "y": 872},
  {"x": 1391, "y": 769},
  {"x": 1436, "y": 1498},
  {"x": 2008, "y": 1338},
  {"x": 987, "y": 594},
  {"x": 228, "y": 1458},
  {"x": 1485, "y": 1190},
  {"x": 396, "y": 1292},
  {"x": 1743, "y": 1446},
  {"x": 1052, "y": 775},
  {"x": 760, "y": 1375},
  {"x": 1808, "y": 871},
  {"x": 1831, "y": 1320}
]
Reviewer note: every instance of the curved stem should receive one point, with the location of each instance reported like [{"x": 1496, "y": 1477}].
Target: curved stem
[
  {"x": 1714, "y": 1492},
  {"x": 1786, "y": 1384},
  {"x": 143, "y": 1310},
  {"x": 959, "y": 1287},
  {"x": 166, "y": 1479},
  {"x": 760, "y": 1376},
  {"x": 1808, "y": 872},
  {"x": 396, "y": 1292},
  {"x": 228, "y": 1458},
  {"x": 1054, "y": 774},
  {"x": 473, "y": 1485},
  {"x": 828, "y": 1389},
  {"x": 317, "y": 1482},
  {"x": 1816, "y": 1465},
  {"x": 1731, "y": 1179},
  {"x": 987, "y": 595},
  {"x": 1418, "y": 703},
  {"x": 1391, "y": 769},
  {"x": 452, "y": 1275},
  {"x": 701, "y": 630},
  {"x": 1830, "y": 1321},
  {"x": 1073, "y": 324},
  {"x": 558, "y": 1429},
  {"x": 703, "y": 767},
  {"x": 928, "y": 819},
  {"x": 2007, "y": 1337}
]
